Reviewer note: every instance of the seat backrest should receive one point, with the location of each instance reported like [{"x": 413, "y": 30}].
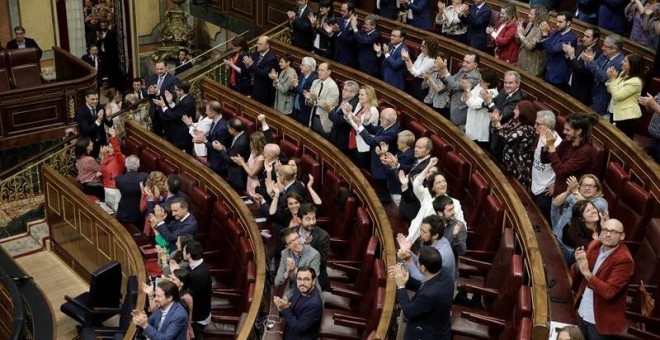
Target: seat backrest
[
  {"x": 201, "y": 205},
  {"x": 249, "y": 125},
  {"x": 633, "y": 210},
  {"x": 648, "y": 256},
  {"x": 474, "y": 197},
  {"x": 290, "y": 149},
  {"x": 311, "y": 166},
  {"x": 228, "y": 112},
  {"x": 367, "y": 267},
  {"x": 418, "y": 129},
  {"x": 148, "y": 160},
  {"x": 132, "y": 147},
  {"x": 105, "y": 286},
  {"x": 187, "y": 183},
  {"x": 130, "y": 300},
  {"x": 599, "y": 155},
  {"x": 505, "y": 301},
  {"x": 489, "y": 226},
  {"x": 24, "y": 67},
  {"x": 501, "y": 261},
  {"x": 457, "y": 172},
  {"x": 360, "y": 236},
  {"x": 5, "y": 81},
  {"x": 615, "y": 176},
  {"x": 167, "y": 168},
  {"x": 440, "y": 148}
]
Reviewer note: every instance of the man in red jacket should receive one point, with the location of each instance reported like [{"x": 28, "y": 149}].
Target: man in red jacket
[{"x": 604, "y": 268}]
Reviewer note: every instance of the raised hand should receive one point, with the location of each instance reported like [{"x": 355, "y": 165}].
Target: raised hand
[
  {"x": 272, "y": 74},
  {"x": 168, "y": 96},
  {"x": 312, "y": 18},
  {"x": 291, "y": 15},
  {"x": 612, "y": 73},
  {"x": 310, "y": 182},
  {"x": 588, "y": 55},
  {"x": 403, "y": 178},
  {"x": 112, "y": 132},
  {"x": 377, "y": 48},
  {"x": 466, "y": 85}
]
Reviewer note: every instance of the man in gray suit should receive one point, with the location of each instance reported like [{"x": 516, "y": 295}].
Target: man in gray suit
[
  {"x": 469, "y": 71},
  {"x": 296, "y": 254}
]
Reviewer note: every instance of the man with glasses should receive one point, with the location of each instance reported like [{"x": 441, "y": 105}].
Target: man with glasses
[
  {"x": 543, "y": 177},
  {"x": 259, "y": 66},
  {"x": 22, "y": 42},
  {"x": 393, "y": 67},
  {"x": 322, "y": 97},
  {"x": 303, "y": 311},
  {"x": 581, "y": 79},
  {"x": 303, "y": 83},
  {"x": 603, "y": 271},
  {"x": 341, "y": 129},
  {"x": 611, "y": 57},
  {"x": 297, "y": 254}
]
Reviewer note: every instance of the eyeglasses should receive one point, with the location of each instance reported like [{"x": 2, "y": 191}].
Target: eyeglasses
[
  {"x": 538, "y": 124},
  {"x": 611, "y": 231},
  {"x": 583, "y": 185},
  {"x": 292, "y": 241}
]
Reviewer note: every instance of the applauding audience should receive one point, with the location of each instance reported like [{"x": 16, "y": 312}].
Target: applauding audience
[{"x": 625, "y": 88}]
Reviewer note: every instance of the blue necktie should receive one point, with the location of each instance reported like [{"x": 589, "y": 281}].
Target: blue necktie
[{"x": 296, "y": 103}]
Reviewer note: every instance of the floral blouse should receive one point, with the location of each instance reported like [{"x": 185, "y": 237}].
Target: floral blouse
[{"x": 517, "y": 157}]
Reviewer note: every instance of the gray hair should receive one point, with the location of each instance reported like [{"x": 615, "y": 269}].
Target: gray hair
[
  {"x": 513, "y": 73},
  {"x": 353, "y": 86},
  {"x": 548, "y": 118},
  {"x": 615, "y": 40},
  {"x": 132, "y": 163},
  {"x": 372, "y": 19},
  {"x": 309, "y": 61}
]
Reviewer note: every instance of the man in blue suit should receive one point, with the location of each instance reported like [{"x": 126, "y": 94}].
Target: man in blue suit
[
  {"x": 345, "y": 46},
  {"x": 419, "y": 13},
  {"x": 341, "y": 129},
  {"x": 304, "y": 310},
  {"x": 92, "y": 120},
  {"x": 393, "y": 67},
  {"x": 302, "y": 83},
  {"x": 612, "y": 15},
  {"x": 157, "y": 83},
  {"x": 366, "y": 38},
  {"x": 218, "y": 132},
  {"x": 428, "y": 313},
  {"x": 477, "y": 17},
  {"x": 558, "y": 67},
  {"x": 170, "y": 320},
  {"x": 302, "y": 34},
  {"x": 610, "y": 57},
  {"x": 236, "y": 154},
  {"x": 184, "y": 222}
]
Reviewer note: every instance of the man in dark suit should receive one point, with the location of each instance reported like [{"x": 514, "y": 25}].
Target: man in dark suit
[
  {"x": 260, "y": 65},
  {"x": 239, "y": 147},
  {"x": 173, "y": 186},
  {"x": 345, "y": 45},
  {"x": 200, "y": 284},
  {"x": 157, "y": 83},
  {"x": 388, "y": 9},
  {"x": 92, "y": 120},
  {"x": 317, "y": 238},
  {"x": 217, "y": 133},
  {"x": 171, "y": 114},
  {"x": 429, "y": 311},
  {"x": 581, "y": 80},
  {"x": 129, "y": 187},
  {"x": 169, "y": 320},
  {"x": 505, "y": 102},
  {"x": 477, "y": 17},
  {"x": 138, "y": 90},
  {"x": 557, "y": 69},
  {"x": 93, "y": 59},
  {"x": 20, "y": 41},
  {"x": 303, "y": 311},
  {"x": 611, "y": 57},
  {"x": 365, "y": 39},
  {"x": 341, "y": 129},
  {"x": 302, "y": 35},
  {"x": 182, "y": 62},
  {"x": 109, "y": 46},
  {"x": 393, "y": 67},
  {"x": 302, "y": 83},
  {"x": 419, "y": 13},
  {"x": 184, "y": 222}
]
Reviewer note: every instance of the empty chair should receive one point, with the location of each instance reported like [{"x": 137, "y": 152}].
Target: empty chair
[
  {"x": 352, "y": 247},
  {"x": 457, "y": 172},
  {"x": 476, "y": 193},
  {"x": 440, "y": 148},
  {"x": 102, "y": 300},
  {"x": 228, "y": 112},
  {"x": 167, "y": 168},
  {"x": 311, "y": 166},
  {"x": 486, "y": 235},
  {"x": 346, "y": 271},
  {"x": 615, "y": 176},
  {"x": 290, "y": 149},
  {"x": 356, "y": 324},
  {"x": 201, "y": 205},
  {"x": 418, "y": 129},
  {"x": 5, "y": 81},
  {"x": 342, "y": 293},
  {"x": 125, "y": 316},
  {"x": 633, "y": 210},
  {"x": 491, "y": 269},
  {"x": 132, "y": 147},
  {"x": 149, "y": 160},
  {"x": 24, "y": 67},
  {"x": 599, "y": 155},
  {"x": 187, "y": 184}
]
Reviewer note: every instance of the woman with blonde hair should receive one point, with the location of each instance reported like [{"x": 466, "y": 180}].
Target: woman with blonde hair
[
  {"x": 366, "y": 110},
  {"x": 255, "y": 163},
  {"x": 531, "y": 58},
  {"x": 587, "y": 188},
  {"x": 506, "y": 46}
]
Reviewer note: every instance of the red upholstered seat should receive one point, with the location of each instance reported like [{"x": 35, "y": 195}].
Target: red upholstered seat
[
  {"x": 221, "y": 212},
  {"x": 187, "y": 183},
  {"x": 132, "y": 147},
  {"x": 418, "y": 129},
  {"x": 249, "y": 124},
  {"x": 311, "y": 166},
  {"x": 331, "y": 188},
  {"x": 633, "y": 209},
  {"x": 228, "y": 112},
  {"x": 486, "y": 234},
  {"x": 24, "y": 67},
  {"x": 457, "y": 173},
  {"x": 200, "y": 204},
  {"x": 345, "y": 295},
  {"x": 648, "y": 256},
  {"x": 290, "y": 149},
  {"x": 440, "y": 148},
  {"x": 148, "y": 160},
  {"x": 599, "y": 158},
  {"x": 351, "y": 271},
  {"x": 615, "y": 176},
  {"x": 5, "y": 81},
  {"x": 492, "y": 270},
  {"x": 477, "y": 191},
  {"x": 358, "y": 324},
  {"x": 166, "y": 167}
]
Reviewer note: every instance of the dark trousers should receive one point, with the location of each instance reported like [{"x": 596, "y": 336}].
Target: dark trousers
[
  {"x": 627, "y": 126},
  {"x": 198, "y": 329},
  {"x": 654, "y": 150},
  {"x": 589, "y": 330},
  {"x": 544, "y": 203}
]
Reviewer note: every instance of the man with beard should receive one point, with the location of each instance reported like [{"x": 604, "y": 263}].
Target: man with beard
[
  {"x": 317, "y": 238},
  {"x": 303, "y": 311}
]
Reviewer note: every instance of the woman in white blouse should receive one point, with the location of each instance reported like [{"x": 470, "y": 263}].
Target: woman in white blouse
[
  {"x": 423, "y": 64},
  {"x": 367, "y": 110},
  {"x": 437, "y": 97},
  {"x": 199, "y": 130},
  {"x": 477, "y": 125}
]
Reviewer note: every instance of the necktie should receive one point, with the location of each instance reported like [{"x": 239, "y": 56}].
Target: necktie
[
  {"x": 300, "y": 13},
  {"x": 252, "y": 75},
  {"x": 160, "y": 82},
  {"x": 318, "y": 97},
  {"x": 94, "y": 115},
  {"x": 296, "y": 103},
  {"x": 96, "y": 63},
  {"x": 209, "y": 141}
]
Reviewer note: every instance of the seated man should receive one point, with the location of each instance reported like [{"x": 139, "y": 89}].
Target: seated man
[
  {"x": 294, "y": 256},
  {"x": 184, "y": 222},
  {"x": 303, "y": 311}
]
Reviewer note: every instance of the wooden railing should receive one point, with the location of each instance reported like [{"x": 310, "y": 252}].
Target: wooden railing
[
  {"x": 217, "y": 187},
  {"x": 329, "y": 157},
  {"x": 85, "y": 236}
]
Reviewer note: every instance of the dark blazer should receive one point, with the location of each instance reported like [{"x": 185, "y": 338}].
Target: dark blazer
[
  {"x": 582, "y": 80},
  {"x": 368, "y": 61},
  {"x": 303, "y": 317},
  {"x": 557, "y": 66},
  {"x": 428, "y": 313},
  {"x": 406, "y": 159},
  {"x": 180, "y": 68},
  {"x": 302, "y": 34},
  {"x": 200, "y": 284},
  {"x": 409, "y": 206},
  {"x": 321, "y": 242},
  {"x": 88, "y": 59},
  {"x": 393, "y": 67},
  {"x": 242, "y": 79},
  {"x": 129, "y": 204},
  {"x": 373, "y": 135},
  {"x": 13, "y": 45},
  {"x": 171, "y": 231},
  {"x": 302, "y": 113},
  {"x": 611, "y": 15},
  {"x": 477, "y": 20},
  {"x": 236, "y": 175},
  {"x": 174, "y": 326},
  {"x": 341, "y": 129},
  {"x": 262, "y": 88},
  {"x": 88, "y": 128},
  {"x": 388, "y": 9},
  {"x": 421, "y": 14},
  {"x": 168, "y": 84},
  {"x": 345, "y": 44},
  {"x": 221, "y": 134},
  {"x": 598, "y": 68},
  {"x": 176, "y": 131}
]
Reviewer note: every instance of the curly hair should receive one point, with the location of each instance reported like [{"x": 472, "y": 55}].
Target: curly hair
[
  {"x": 432, "y": 47},
  {"x": 157, "y": 179}
]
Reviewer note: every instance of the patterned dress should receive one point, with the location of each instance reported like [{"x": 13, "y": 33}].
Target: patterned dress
[{"x": 517, "y": 157}]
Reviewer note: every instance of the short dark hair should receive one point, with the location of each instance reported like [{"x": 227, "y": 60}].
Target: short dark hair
[
  {"x": 595, "y": 30},
  {"x": 307, "y": 208},
  {"x": 19, "y": 28},
  {"x": 90, "y": 92},
  {"x": 431, "y": 259},
  {"x": 489, "y": 76},
  {"x": 288, "y": 231},
  {"x": 183, "y": 85},
  {"x": 184, "y": 50},
  {"x": 195, "y": 249},
  {"x": 350, "y": 6},
  {"x": 566, "y": 14},
  {"x": 288, "y": 58},
  {"x": 437, "y": 225},
  {"x": 402, "y": 31},
  {"x": 636, "y": 66},
  {"x": 81, "y": 146},
  {"x": 137, "y": 80},
  {"x": 174, "y": 184},
  {"x": 307, "y": 269},
  {"x": 215, "y": 106},
  {"x": 582, "y": 121},
  {"x": 170, "y": 289},
  {"x": 439, "y": 203},
  {"x": 236, "y": 124},
  {"x": 181, "y": 202}
]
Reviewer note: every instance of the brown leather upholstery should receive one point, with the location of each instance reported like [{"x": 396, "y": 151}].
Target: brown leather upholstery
[
  {"x": 615, "y": 176},
  {"x": 599, "y": 155},
  {"x": 633, "y": 209},
  {"x": 349, "y": 271},
  {"x": 648, "y": 256},
  {"x": 167, "y": 168},
  {"x": 5, "y": 81},
  {"x": 357, "y": 324},
  {"x": 221, "y": 212},
  {"x": 290, "y": 149},
  {"x": 344, "y": 295},
  {"x": 477, "y": 191},
  {"x": 25, "y": 67},
  {"x": 149, "y": 160},
  {"x": 486, "y": 234},
  {"x": 228, "y": 112},
  {"x": 492, "y": 271},
  {"x": 200, "y": 205},
  {"x": 352, "y": 247},
  {"x": 457, "y": 173}
]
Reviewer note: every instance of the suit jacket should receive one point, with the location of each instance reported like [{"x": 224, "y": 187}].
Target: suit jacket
[
  {"x": 506, "y": 104},
  {"x": 345, "y": 44},
  {"x": 421, "y": 14},
  {"x": 428, "y": 313},
  {"x": 409, "y": 206},
  {"x": 624, "y": 97},
  {"x": 200, "y": 284},
  {"x": 13, "y": 45},
  {"x": 506, "y": 47},
  {"x": 393, "y": 67},
  {"x": 598, "y": 68},
  {"x": 171, "y": 231},
  {"x": 302, "y": 34},
  {"x": 477, "y": 20},
  {"x": 406, "y": 159},
  {"x": 389, "y": 9},
  {"x": 303, "y": 318},
  {"x": 330, "y": 92},
  {"x": 611, "y": 15},
  {"x": 373, "y": 135},
  {"x": 262, "y": 86},
  {"x": 176, "y": 131},
  {"x": 180, "y": 67},
  {"x": 129, "y": 203},
  {"x": 557, "y": 69},
  {"x": 301, "y": 114},
  {"x": 236, "y": 176},
  {"x": 609, "y": 285},
  {"x": 243, "y": 79},
  {"x": 368, "y": 61},
  {"x": 308, "y": 257},
  {"x": 284, "y": 95},
  {"x": 174, "y": 326},
  {"x": 321, "y": 242},
  {"x": 220, "y": 133},
  {"x": 458, "y": 108},
  {"x": 88, "y": 128},
  {"x": 581, "y": 79},
  {"x": 168, "y": 84},
  {"x": 341, "y": 129},
  {"x": 100, "y": 71}
]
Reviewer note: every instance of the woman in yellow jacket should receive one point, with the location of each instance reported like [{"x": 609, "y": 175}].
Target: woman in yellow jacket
[{"x": 625, "y": 89}]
